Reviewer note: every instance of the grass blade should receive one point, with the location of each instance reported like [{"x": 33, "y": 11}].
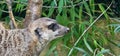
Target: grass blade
[
  {"x": 103, "y": 52},
  {"x": 61, "y": 3},
  {"x": 87, "y": 45},
  {"x": 71, "y": 50}
]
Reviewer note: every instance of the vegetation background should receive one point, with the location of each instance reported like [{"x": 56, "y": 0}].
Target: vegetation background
[{"x": 94, "y": 25}]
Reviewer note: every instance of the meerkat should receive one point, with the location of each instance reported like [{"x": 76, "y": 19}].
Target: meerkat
[{"x": 30, "y": 41}]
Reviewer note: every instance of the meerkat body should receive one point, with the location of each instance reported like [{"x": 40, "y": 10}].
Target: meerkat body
[{"x": 31, "y": 40}]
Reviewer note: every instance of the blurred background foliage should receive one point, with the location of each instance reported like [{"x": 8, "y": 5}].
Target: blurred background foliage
[{"x": 102, "y": 38}]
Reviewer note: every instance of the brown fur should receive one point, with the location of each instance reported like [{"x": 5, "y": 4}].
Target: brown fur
[
  {"x": 26, "y": 42},
  {"x": 1, "y": 25}
]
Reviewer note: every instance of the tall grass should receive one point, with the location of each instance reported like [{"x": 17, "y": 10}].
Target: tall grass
[{"x": 88, "y": 22}]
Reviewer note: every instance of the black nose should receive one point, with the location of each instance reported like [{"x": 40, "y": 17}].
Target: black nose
[{"x": 67, "y": 30}]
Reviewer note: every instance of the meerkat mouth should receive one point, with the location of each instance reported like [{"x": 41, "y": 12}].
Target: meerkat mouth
[{"x": 62, "y": 33}]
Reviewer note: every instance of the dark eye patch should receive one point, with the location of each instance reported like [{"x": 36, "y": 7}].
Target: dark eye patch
[
  {"x": 53, "y": 26},
  {"x": 37, "y": 32}
]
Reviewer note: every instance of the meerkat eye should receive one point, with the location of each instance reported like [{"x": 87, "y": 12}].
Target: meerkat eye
[{"x": 53, "y": 26}]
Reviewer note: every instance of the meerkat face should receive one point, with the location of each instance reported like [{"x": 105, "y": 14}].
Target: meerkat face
[
  {"x": 57, "y": 29},
  {"x": 48, "y": 29}
]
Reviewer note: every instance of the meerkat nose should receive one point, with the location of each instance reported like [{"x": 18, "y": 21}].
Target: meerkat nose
[{"x": 67, "y": 30}]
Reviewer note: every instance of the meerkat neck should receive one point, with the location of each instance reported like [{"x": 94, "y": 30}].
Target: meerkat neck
[{"x": 41, "y": 44}]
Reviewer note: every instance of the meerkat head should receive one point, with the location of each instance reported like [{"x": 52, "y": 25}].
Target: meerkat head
[{"x": 47, "y": 28}]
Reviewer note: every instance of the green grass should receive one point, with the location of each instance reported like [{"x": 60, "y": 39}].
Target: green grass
[{"x": 91, "y": 29}]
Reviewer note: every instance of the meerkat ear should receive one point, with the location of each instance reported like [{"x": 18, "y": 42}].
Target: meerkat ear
[{"x": 38, "y": 32}]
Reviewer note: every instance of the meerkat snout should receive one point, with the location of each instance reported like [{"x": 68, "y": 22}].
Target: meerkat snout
[{"x": 67, "y": 30}]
